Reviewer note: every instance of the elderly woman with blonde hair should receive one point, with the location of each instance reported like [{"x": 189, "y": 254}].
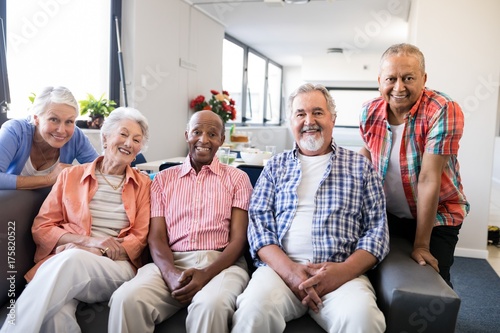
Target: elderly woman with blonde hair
[
  {"x": 90, "y": 231},
  {"x": 34, "y": 150}
]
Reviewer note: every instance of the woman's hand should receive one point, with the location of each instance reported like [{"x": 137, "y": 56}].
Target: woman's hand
[
  {"x": 111, "y": 247},
  {"x": 52, "y": 176},
  {"x": 108, "y": 246}
]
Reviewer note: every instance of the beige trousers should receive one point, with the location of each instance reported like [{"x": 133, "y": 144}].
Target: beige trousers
[
  {"x": 141, "y": 303},
  {"x": 267, "y": 304},
  {"x": 49, "y": 301}
]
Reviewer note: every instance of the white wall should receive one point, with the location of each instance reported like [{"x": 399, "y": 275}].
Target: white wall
[
  {"x": 342, "y": 69},
  {"x": 157, "y": 36},
  {"x": 496, "y": 162},
  {"x": 459, "y": 40}
]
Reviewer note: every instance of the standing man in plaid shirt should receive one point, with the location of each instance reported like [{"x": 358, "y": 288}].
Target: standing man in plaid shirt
[
  {"x": 317, "y": 224},
  {"x": 412, "y": 136}
]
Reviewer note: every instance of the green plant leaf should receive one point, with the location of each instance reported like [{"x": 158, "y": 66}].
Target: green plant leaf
[{"x": 93, "y": 106}]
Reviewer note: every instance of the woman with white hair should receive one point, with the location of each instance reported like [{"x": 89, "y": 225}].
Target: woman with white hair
[
  {"x": 34, "y": 151},
  {"x": 90, "y": 231}
]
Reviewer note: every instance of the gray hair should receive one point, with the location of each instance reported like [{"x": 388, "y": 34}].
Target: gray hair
[
  {"x": 407, "y": 50},
  {"x": 124, "y": 113},
  {"x": 49, "y": 95},
  {"x": 307, "y": 88}
]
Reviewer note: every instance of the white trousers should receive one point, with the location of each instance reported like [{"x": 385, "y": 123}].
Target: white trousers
[
  {"x": 267, "y": 304},
  {"x": 49, "y": 301},
  {"x": 141, "y": 303}
]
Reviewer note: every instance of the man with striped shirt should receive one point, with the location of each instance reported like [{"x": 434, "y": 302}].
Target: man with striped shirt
[
  {"x": 412, "y": 136},
  {"x": 317, "y": 224},
  {"x": 197, "y": 237}
]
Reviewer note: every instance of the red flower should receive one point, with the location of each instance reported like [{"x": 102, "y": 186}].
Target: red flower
[
  {"x": 218, "y": 103},
  {"x": 198, "y": 100}
]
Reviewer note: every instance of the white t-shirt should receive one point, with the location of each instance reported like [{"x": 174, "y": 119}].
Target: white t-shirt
[
  {"x": 393, "y": 186},
  {"x": 297, "y": 242},
  {"x": 29, "y": 170}
]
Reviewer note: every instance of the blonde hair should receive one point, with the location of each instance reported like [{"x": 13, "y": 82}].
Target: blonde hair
[{"x": 50, "y": 95}]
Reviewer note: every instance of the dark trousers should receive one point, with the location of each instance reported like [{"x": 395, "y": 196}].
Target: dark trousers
[{"x": 442, "y": 245}]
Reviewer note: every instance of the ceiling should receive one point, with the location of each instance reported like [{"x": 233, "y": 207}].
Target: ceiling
[{"x": 286, "y": 33}]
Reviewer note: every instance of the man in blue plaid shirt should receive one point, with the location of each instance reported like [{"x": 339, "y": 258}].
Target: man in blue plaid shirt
[{"x": 317, "y": 224}]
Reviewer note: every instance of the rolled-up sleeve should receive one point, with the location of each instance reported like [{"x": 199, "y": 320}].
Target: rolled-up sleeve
[{"x": 375, "y": 237}]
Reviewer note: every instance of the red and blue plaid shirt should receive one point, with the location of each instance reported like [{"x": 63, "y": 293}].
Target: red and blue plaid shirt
[{"x": 434, "y": 125}]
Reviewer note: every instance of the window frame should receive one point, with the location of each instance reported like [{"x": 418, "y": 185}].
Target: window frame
[
  {"x": 114, "y": 71},
  {"x": 244, "y": 86},
  {"x": 343, "y": 88}
]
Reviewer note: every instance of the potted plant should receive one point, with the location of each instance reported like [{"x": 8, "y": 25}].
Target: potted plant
[{"x": 95, "y": 107}]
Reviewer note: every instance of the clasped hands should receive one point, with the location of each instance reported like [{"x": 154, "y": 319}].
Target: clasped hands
[
  {"x": 310, "y": 282},
  {"x": 183, "y": 285}
]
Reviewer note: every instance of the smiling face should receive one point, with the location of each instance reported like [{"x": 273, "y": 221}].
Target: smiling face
[
  {"x": 56, "y": 124},
  {"x": 204, "y": 137},
  {"x": 122, "y": 146},
  {"x": 311, "y": 123},
  {"x": 401, "y": 82}
]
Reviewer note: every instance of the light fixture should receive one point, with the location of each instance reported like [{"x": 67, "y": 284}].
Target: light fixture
[
  {"x": 334, "y": 50},
  {"x": 296, "y": 2}
]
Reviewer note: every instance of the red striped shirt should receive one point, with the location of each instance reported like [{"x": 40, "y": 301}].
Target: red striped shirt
[{"x": 197, "y": 207}]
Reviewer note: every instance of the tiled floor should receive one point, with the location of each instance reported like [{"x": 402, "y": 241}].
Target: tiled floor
[{"x": 494, "y": 251}]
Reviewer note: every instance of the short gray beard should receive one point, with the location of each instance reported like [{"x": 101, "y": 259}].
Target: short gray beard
[{"x": 310, "y": 143}]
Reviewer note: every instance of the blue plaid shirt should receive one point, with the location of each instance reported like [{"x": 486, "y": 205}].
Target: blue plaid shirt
[{"x": 350, "y": 207}]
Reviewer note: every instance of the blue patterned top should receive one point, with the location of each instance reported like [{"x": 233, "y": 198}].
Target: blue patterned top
[{"x": 350, "y": 207}]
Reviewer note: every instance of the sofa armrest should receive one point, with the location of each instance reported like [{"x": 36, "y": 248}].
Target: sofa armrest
[
  {"x": 18, "y": 208},
  {"x": 413, "y": 297}
]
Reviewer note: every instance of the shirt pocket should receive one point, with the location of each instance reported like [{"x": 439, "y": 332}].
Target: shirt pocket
[
  {"x": 218, "y": 203},
  {"x": 344, "y": 201}
]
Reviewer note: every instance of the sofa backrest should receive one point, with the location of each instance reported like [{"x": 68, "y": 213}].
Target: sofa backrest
[{"x": 18, "y": 208}]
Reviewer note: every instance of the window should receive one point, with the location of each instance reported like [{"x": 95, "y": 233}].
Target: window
[
  {"x": 348, "y": 102},
  {"x": 60, "y": 43},
  {"x": 256, "y": 68},
  {"x": 254, "y": 82},
  {"x": 274, "y": 93},
  {"x": 232, "y": 76}
]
